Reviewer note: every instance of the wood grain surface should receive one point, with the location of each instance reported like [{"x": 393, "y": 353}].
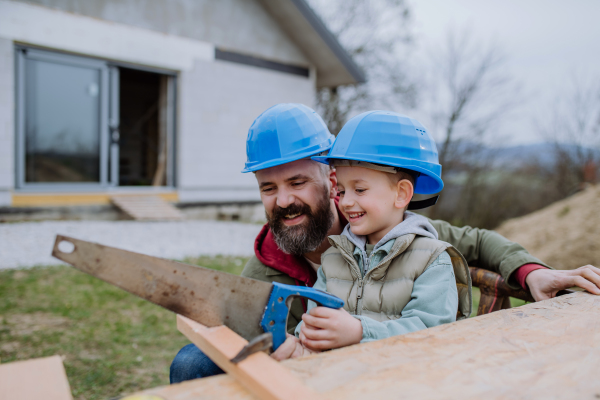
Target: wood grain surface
[{"x": 549, "y": 349}]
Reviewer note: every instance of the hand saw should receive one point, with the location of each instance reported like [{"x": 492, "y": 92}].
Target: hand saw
[{"x": 247, "y": 306}]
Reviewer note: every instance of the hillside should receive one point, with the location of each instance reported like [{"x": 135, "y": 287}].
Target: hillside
[{"x": 566, "y": 234}]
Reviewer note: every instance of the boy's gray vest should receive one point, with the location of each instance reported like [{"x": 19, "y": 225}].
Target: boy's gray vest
[{"x": 386, "y": 288}]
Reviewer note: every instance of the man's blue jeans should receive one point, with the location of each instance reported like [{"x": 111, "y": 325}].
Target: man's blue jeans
[{"x": 191, "y": 363}]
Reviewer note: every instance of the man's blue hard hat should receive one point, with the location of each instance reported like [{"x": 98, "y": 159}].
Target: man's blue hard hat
[
  {"x": 284, "y": 133},
  {"x": 389, "y": 138}
]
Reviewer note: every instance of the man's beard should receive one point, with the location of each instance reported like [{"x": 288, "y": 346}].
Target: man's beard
[{"x": 306, "y": 237}]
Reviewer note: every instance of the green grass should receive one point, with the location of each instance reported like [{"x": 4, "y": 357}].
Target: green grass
[{"x": 112, "y": 342}]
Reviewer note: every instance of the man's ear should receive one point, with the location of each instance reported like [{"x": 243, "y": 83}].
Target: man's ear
[
  {"x": 404, "y": 193},
  {"x": 333, "y": 190}
]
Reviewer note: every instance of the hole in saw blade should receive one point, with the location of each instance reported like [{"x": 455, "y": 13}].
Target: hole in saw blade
[{"x": 66, "y": 247}]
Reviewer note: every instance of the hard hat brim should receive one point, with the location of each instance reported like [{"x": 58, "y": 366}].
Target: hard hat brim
[{"x": 429, "y": 182}]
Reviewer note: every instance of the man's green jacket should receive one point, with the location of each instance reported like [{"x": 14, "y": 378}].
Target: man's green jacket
[{"x": 481, "y": 248}]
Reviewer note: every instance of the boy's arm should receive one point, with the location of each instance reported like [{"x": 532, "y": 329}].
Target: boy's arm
[
  {"x": 434, "y": 301},
  {"x": 487, "y": 249}
]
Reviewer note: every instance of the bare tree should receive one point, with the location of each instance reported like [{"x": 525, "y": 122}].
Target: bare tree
[
  {"x": 467, "y": 95},
  {"x": 377, "y": 35},
  {"x": 573, "y": 127},
  {"x": 469, "y": 92}
]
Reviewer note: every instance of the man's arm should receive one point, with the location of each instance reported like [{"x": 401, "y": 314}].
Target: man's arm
[
  {"x": 487, "y": 249},
  {"x": 256, "y": 270}
]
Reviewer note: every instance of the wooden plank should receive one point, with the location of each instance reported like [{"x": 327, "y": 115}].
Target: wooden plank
[
  {"x": 259, "y": 373},
  {"x": 40, "y": 378},
  {"x": 146, "y": 207},
  {"x": 549, "y": 349}
]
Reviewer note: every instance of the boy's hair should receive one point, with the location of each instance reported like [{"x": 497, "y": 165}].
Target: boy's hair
[{"x": 401, "y": 174}]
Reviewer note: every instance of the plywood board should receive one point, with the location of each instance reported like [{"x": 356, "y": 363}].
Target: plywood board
[
  {"x": 40, "y": 378},
  {"x": 549, "y": 349}
]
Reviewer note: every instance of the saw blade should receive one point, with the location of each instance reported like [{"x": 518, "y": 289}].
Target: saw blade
[{"x": 209, "y": 297}]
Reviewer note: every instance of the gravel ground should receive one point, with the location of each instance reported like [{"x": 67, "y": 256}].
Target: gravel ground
[{"x": 29, "y": 244}]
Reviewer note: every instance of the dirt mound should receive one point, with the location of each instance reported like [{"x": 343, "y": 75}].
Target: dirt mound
[{"x": 566, "y": 234}]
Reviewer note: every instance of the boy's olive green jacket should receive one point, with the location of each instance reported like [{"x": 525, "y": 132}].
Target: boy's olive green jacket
[{"x": 480, "y": 247}]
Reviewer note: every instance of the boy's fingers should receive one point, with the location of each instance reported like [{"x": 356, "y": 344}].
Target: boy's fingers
[
  {"x": 317, "y": 334},
  {"x": 315, "y": 321},
  {"x": 322, "y": 312},
  {"x": 317, "y": 344}
]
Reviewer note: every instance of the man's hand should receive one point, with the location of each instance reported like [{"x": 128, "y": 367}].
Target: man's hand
[
  {"x": 291, "y": 348},
  {"x": 325, "y": 328},
  {"x": 545, "y": 283}
]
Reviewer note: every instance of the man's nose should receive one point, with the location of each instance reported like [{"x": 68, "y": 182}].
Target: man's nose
[{"x": 285, "y": 199}]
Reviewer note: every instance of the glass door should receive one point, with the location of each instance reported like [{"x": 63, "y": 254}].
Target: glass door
[{"x": 63, "y": 120}]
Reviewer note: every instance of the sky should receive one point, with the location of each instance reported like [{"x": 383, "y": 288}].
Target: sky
[{"x": 546, "y": 42}]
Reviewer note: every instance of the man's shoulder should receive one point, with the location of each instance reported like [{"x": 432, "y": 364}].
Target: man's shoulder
[{"x": 257, "y": 270}]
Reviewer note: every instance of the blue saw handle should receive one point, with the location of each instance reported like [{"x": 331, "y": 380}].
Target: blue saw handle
[{"x": 275, "y": 317}]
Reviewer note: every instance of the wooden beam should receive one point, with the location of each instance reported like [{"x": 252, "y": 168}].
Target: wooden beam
[
  {"x": 549, "y": 349},
  {"x": 259, "y": 374},
  {"x": 39, "y": 378}
]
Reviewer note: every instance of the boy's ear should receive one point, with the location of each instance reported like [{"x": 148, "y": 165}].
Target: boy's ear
[
  {"x": 404, "y": 193},
  {"x": 333, "y": 190}
]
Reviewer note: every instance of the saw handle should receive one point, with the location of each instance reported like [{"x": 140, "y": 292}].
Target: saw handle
[{"x": 276, "y": 312}]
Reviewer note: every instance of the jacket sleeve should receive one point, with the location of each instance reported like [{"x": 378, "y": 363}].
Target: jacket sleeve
[
  {"x": 487, "y": 249},
  {"x": 320, "y": 284},
  {"x": 434, "y": 301}
]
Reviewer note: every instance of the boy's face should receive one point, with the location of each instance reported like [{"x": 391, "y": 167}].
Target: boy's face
[{"x": 369, "y": 200}]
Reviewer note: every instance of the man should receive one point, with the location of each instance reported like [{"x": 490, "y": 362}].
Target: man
[{"x": 300, "y": 200}]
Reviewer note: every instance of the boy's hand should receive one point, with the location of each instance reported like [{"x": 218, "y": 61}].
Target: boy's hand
[
  {"x": 325, "y": 328},
  {"x": 291, "y": 348}
]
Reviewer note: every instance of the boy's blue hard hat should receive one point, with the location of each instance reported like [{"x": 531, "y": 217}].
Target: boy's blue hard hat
[
  {"x": 389, "y": 138},
  {"x": 284, "y": 133}
]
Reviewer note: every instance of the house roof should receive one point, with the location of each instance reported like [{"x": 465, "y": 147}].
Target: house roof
[{"x": 334, "y": 66}]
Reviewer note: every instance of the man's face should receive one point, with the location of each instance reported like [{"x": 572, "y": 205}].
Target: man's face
[{"x": 297, "y": 197}]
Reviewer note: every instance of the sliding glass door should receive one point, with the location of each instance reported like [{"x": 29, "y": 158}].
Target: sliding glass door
[
  {"x": 62, "y": 117},
  {"x": 87, "y": 123}
]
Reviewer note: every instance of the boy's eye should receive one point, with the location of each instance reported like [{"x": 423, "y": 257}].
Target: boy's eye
[
  {"x": 360, "y": 190},
  {"x": 341, "y": 192}
]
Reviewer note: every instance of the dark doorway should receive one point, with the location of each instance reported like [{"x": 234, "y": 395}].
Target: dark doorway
[{"x": 143, "y": 128}]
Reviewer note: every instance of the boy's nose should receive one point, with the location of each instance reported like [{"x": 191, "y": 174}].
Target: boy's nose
[{"x": 346, "y": 201}]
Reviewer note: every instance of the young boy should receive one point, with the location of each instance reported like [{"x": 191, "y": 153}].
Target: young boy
[{"x": 393, "y": 274}]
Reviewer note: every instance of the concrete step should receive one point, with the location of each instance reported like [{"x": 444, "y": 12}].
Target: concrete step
[{"x": 147, "y": 207}]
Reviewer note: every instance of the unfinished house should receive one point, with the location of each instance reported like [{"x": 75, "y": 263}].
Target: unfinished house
[{"x": 115, "y": 97}]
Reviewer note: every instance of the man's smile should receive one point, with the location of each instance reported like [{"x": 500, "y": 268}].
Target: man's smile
[{"x": 293, "y": 219}]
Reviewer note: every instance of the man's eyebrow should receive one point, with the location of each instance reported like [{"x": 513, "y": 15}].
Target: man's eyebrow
[
  {"x": 263, "y": 184},
  {"x": 296, "y": 177}
]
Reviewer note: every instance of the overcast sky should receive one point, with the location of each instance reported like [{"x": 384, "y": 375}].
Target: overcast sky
[{"x": 546, "y": 43}]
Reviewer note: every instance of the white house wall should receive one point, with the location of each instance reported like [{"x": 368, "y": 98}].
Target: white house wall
[
  {"x": 219, "y": 102},
  {"x": 7, "y": 132},
  {"x": 242, "y": 25}
]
